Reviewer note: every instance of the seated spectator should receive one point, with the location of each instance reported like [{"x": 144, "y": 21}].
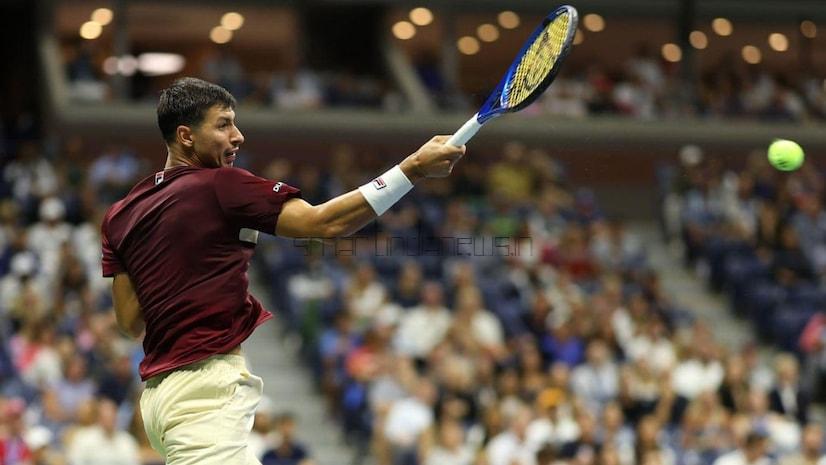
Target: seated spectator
[
  {"x": 113, "y": 173},
  {"x": 511, "y": 446},
  {"x": 754, "y": 451},
  {"x": 450, "y": 448},
  {"x": 811, "y": 448},
  {"x": 75, "y": 388},
  {"x": 408, "y": 423},
  {"x": 103, "y": 444},
  {"x": 364, "y": 295},
  {"x": 422, "y": 327},
  {"x": 787, "y": 396},
  {"x": 596, "y": 382},
  {"x": 287, "y": 451},
  {"x": 477, "y": 328}
]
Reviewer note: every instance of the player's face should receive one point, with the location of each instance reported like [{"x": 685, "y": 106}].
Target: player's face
[{"x": 216, "y": 139}]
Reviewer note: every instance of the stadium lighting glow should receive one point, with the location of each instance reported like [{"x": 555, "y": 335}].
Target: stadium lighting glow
[
  {"x": 127, "y": 65},
  {"x": 672, "y": 52},
  {"x": 722, "y": 27},
  {"x": 159, "y": 64},
  {"x": 593, "y": 22},
  {"x": 778, "y": 42},
  {"x": 508, "y": 20},
  {"x": 808, "y": 29},
  {"x": 698, "y": 39},
  {"x": 487, "y": 33},
  {"x": 102, "y": 16},
  {"x": 110, "y": 66},
  {"x": 579, "y": 37},
  {"x": 404, "y": 30},
  {"x": 90, "y": 30},
  {"x": 752, "y": 55},
  {"x": 232, "y": 21},
  {"x": 421, "y": 16},
  {"x": 468, "y": 45},
  {"x": 220, "y": 35}
]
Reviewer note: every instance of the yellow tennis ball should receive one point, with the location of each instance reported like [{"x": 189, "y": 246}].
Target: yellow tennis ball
[{"x": 785, "y": 155}]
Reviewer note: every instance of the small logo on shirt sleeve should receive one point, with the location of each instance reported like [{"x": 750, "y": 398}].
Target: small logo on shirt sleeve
[
  {"x": 379, "y": 183},
  {"x": 158, "y": 177},
  {"x": 277, "y": 186}
]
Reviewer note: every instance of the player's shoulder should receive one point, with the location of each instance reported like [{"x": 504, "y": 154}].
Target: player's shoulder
[{"x": 231, "y": 172}]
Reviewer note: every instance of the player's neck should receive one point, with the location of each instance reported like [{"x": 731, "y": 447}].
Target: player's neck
[{"x": 177, "y": 157}]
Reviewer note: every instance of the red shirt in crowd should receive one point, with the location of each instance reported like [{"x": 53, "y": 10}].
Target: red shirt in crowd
[{"x": 185, "y": 237}]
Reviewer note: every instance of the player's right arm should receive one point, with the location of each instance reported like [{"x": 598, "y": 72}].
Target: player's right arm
[
  {"x": 348, "y": 213},
  {"x": 127, "y": 308}
]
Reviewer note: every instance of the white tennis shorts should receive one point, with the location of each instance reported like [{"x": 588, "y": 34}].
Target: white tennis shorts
[{"x": 203, "y": 413}]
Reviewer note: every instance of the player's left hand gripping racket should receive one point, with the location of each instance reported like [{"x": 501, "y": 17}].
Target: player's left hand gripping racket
[{"x": 536, "y": 65}]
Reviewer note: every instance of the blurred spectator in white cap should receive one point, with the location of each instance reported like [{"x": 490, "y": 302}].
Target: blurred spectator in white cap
[
  {"x": 22, "y": 289},
  {"x": 30, "y": 175},
  {"x": 47, "y": 236}
]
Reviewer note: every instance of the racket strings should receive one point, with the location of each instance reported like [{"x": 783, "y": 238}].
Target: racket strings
[{"x": 538, "y": 61}]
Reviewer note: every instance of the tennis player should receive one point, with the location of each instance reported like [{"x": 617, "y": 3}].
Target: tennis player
[{"x": 178, "y": 247}]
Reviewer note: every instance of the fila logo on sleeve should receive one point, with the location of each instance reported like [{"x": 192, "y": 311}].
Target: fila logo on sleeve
[
  {"x": 158, "y": 177},
  {"x": 379, "y": 183},
  {"x": 277, "y": 186}
]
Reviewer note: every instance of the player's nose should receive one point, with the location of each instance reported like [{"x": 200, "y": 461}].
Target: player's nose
[{"x": 237, "y": 137}]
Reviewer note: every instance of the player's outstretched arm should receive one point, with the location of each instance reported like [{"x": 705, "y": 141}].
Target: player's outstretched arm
[
  {"x": 127, "y": 308},
  {"x": 347, "y": 213}
]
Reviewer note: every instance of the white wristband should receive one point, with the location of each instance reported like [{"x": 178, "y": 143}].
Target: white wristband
[{"x": 387, "y": 189}]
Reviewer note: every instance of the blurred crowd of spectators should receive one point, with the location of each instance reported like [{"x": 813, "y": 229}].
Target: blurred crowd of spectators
[
  {"x": 557, "y": 345},
  {"x": 494, "y": 317},
  {"x": 293, "y": 86},
  {"x": 760, "y": 236},
  {"x": 648, "y": 88},
  {"x": 68, "y": 378},
  {"x": 644, "y": 87}
]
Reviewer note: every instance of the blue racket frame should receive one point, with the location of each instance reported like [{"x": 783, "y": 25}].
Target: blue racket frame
[{"x": 494, "y": 105}]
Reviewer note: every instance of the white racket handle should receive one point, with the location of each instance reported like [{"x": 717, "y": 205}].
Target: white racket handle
[{"x": 465, "y": 133}]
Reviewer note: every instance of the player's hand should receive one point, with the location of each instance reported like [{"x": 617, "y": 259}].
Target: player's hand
[{"x": 434, "y": 159}]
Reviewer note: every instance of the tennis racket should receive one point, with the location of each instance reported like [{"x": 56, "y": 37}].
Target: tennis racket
[{"x": 536, "y": 65}]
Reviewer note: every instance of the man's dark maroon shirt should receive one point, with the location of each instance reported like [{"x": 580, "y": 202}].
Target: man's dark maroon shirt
[{"x": 185, "y": 237}]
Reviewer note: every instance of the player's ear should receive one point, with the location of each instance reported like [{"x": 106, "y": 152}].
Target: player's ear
[{"x": 184, "y": 136}]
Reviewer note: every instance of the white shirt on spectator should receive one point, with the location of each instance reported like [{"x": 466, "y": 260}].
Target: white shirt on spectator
[
  {"x": 659, "y": 353},
  {"x": 94, "y": 447},
  {"x": 737, "y": 457},
  {"x": 507, "y": 449},
  {"x": 36, "y": 178},
  {"x": 46, "y": 241},
  {"x": 596, "y": 385},
  {"x": 487, "y": 330},
  {"x": 406, "y": 421},
  {"x": 421, "y": 329},
  {"x": 441, "y": 456},
  {"x": 692, "y": 377}
]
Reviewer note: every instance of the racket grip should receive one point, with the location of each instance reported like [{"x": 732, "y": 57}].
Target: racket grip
[{"x": 465, "y": 133}]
